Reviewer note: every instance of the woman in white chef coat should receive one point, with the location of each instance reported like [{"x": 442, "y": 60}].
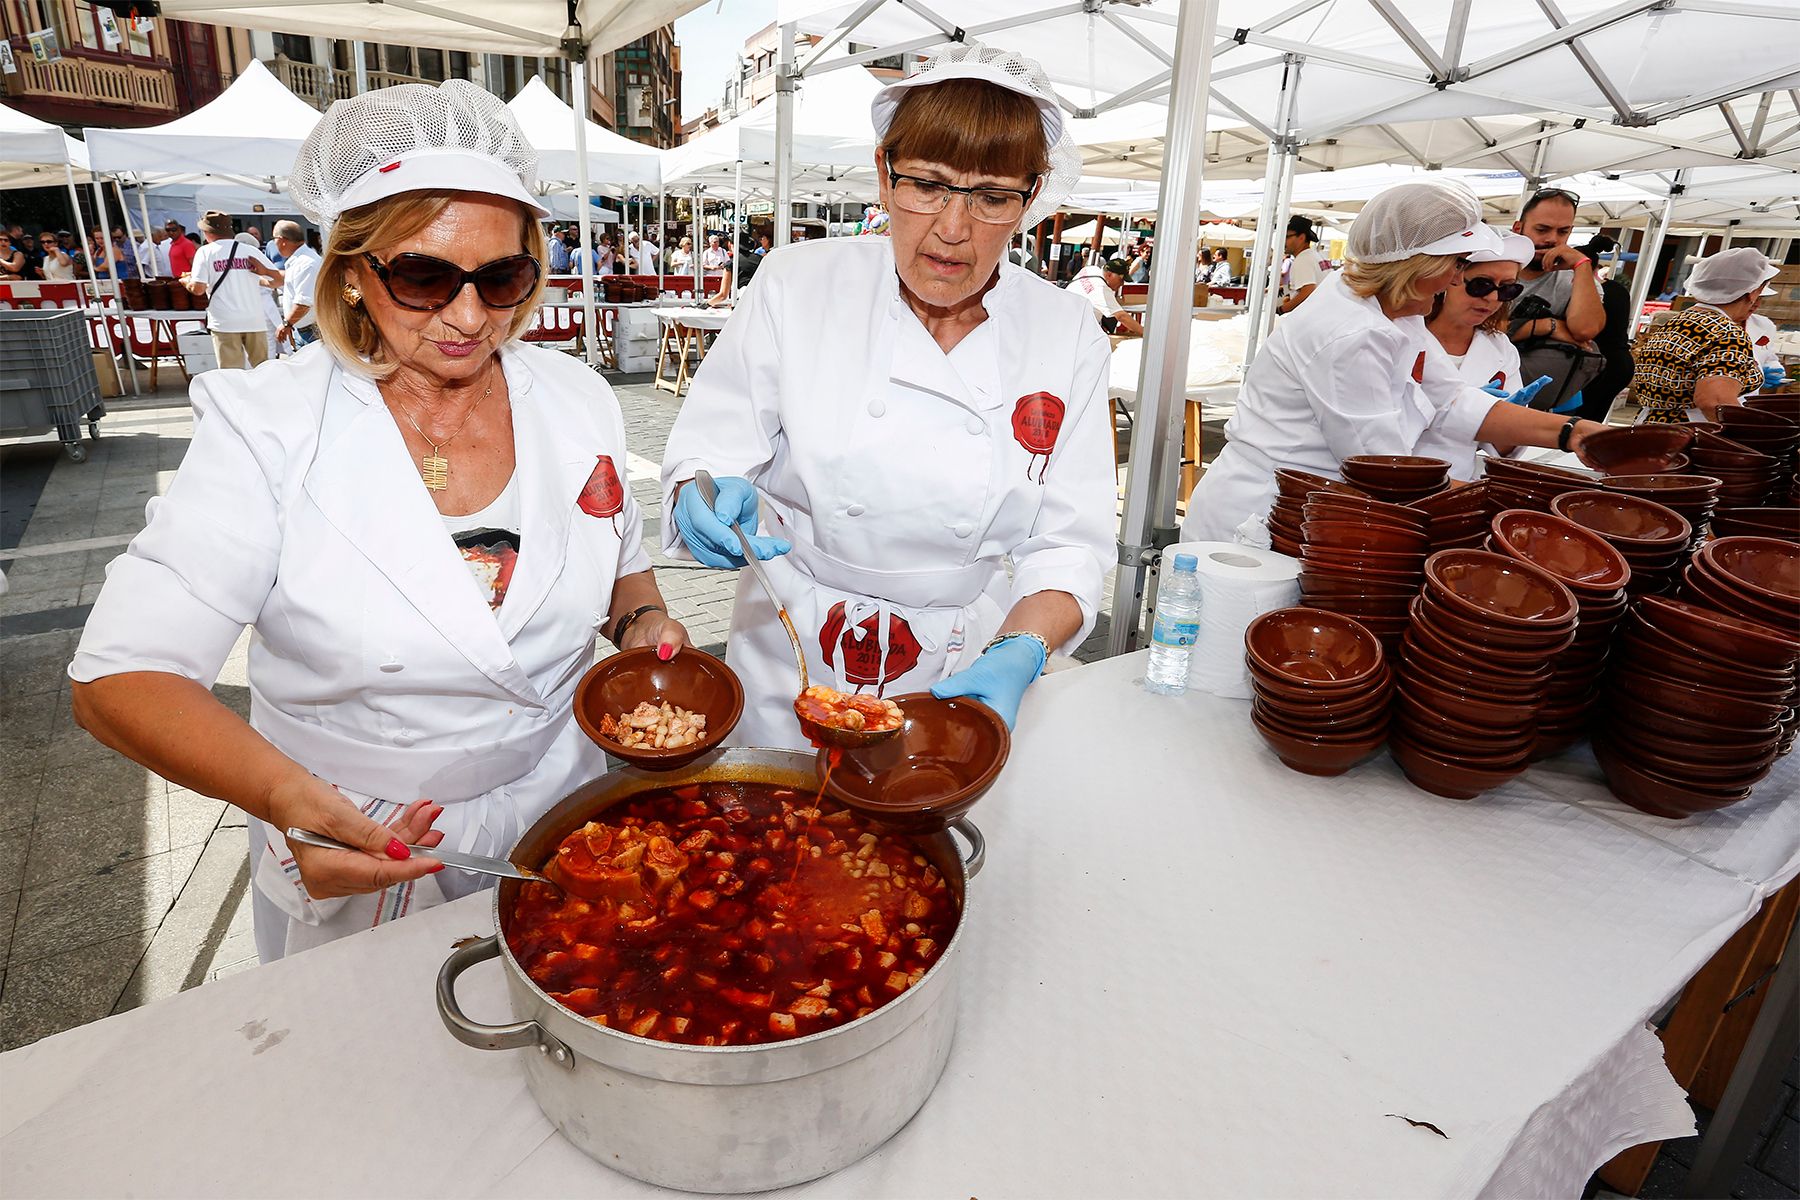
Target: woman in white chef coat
[
  {"x": 1468, "y": 324},
  {"x": 422, "y": 521},
  {"x": 914, "y": 413},
  {"x": 1354, "y": 371}
]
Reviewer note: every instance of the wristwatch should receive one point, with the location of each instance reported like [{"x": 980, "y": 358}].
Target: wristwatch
[
  {"x": 1567, "y": 431},
  {"x": 628, "y": 620}
]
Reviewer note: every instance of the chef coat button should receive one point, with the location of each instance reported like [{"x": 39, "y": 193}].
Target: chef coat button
[
  {"x": 392, "y": 665},
  {"x": 856, "y": 510},
  {"x": 975, "y": 425},
  {"x": 876, "y": 407},
  {"x": 404, "y": 738},
  {"x": 963, "y": 530}
]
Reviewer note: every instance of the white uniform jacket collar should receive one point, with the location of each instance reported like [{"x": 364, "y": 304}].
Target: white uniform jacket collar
[
  {"x": 366, "y": 484},
  {"x": 933, "y": 372}
]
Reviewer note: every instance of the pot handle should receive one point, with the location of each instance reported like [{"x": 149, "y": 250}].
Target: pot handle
[
  {"x": 514, "y": 1036},
  {"x": 977, "y": 855}
]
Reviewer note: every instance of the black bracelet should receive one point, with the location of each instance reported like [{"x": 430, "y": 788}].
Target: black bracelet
[
  {"x": 1562, "y": 436},
  {"x": 625, "y": 622}
]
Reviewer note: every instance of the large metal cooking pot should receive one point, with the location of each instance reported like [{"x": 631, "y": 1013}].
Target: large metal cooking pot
[{"x": 719, "y": 1118}]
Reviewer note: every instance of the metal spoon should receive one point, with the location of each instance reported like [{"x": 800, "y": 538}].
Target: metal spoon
[
  {"x": 819, "y": 735},
  {"x": 479, "y": 863}
]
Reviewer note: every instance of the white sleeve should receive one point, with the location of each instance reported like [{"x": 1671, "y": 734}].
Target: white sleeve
[
  {"x": 304, "y": 274},
  {"x": 200, "y": 571},
  {"x": 730, "y": 423},
  {"x": 1461, "y": 406},
  {"x": 1305, "y": 270},
  {"x": 1355, "y": 386},
  {"x": 1072, "y": 539}
]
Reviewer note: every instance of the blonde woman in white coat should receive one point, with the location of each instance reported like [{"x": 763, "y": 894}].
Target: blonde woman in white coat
[
  {"x": 422, "y": 523},
  {"x": 914, "y": 414}
]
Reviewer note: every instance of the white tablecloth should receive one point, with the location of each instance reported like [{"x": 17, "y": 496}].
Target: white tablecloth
[
  {"x": 1190, "y": 972},
  {"x": 694, "y": 317}
]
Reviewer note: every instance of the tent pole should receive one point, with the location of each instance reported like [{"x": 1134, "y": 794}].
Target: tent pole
[
  {"x": 1264, "y": 257},
  {"x": 1154, "y": 473},
  {"x": 737, "y": 226},
  {"x": 1725, "y": 238},
  {"x": 590, "y": 341},
  {"x": 1652, "y": 249},
  {"x": 1284, "y": 200},
  {"x": 697, "y": 234},
  {"x": 784, "y": 140},
  {"x": 144, "y": 212},
  {"x": 361, "y": 66},
  {"x": 118, "y": 293}
]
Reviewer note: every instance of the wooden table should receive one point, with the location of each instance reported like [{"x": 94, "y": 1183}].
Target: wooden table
[{"x": 683, "y": 339}]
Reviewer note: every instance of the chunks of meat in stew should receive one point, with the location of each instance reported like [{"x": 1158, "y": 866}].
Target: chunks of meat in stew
[
  {"x": 725, "y": 914},
  {"x": 846, "y": 710}
]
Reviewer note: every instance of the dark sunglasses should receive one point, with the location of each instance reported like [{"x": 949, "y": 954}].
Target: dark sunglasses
[
  {"x": 1482, "y": 286},
  {"x": 426, "y": 284},
  {"x": 1552, "y": 194}
]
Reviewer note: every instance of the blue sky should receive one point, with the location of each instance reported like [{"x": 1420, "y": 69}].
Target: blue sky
[{"x": 711, "y": 37}]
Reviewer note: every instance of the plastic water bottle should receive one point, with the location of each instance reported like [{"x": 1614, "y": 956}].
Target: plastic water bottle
[{"x": 1176, "y": 628}]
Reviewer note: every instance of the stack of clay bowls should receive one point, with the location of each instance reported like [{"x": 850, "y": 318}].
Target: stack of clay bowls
[
  {"x": 1755, "y": 579},
  {"x": 1396, "y": 478},
  {"x": 1768, "y": 431},
  {"x": 1693, "y": 496},
  {"x": 1362, "y": 558},
  {"x": 1762, "y": 521},
  {"x": 1746, "y": 475},
  {"x": 1322, "y": 686},
  {"x": 1457, "y": 517},
  {"x": 1691, "y": 719},
  {"x": 1652, "y": 538},
  {"x": 1597, "y": 574},
  {"x": 1514, "y": 483},
  {"x": 1291, "y": 490},
  {"x": 1640, "y": 450},
  {"x": 1475, "y": 667}
]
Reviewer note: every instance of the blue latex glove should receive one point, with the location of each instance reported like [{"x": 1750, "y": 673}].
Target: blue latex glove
[
  {"x": 707, "y": 531},
  {"x": 1523, "y": 396},
  {"x": 998, "y": 678},
  {"x": 1568, "y": 406},
  {"x": 1773, "y": 376}
]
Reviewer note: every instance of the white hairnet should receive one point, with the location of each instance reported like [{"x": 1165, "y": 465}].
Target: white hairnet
[
  {"x": 1413, "y": 218},
  {"x": 1015, "y": 73},
  {"x": 1730, "y": 274},
  {"x": 454, "y": 135}
]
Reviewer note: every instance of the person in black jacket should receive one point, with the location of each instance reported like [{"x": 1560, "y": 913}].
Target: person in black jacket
[{"x": 1614, "y": 340}]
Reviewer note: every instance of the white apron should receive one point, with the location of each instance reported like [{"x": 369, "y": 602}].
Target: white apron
[
  {"x": 906, "y": 479},
  {"x": 375, "y": 663}
]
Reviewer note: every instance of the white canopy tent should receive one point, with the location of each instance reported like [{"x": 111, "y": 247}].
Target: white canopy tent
[
  {"x": 35, "y": 153},
  {"x": 612, "y": 161},
  {"x": 253, "y": 128},
  {"x": 1317, "y": 68}
]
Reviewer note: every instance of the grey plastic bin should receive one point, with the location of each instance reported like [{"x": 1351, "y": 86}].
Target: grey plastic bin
[{"x": 47, "y": 378}]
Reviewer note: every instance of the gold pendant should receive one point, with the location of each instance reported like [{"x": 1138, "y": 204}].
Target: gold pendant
[{"x": 435, "y": 470}]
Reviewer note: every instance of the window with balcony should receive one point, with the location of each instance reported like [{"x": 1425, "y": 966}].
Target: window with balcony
[
  {"x": 293, "y": 47},
  {"x": 431, "y": 64}
]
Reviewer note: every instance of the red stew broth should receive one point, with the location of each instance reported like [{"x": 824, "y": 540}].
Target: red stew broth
[{"x": 728, "y": 914}]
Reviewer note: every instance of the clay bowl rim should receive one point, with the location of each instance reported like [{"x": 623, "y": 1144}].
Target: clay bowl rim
[
  {"x": 1327, "y": 733},
  {"x": 1753, "y": 713},
  {"x": 939, "y": 811},
  {"x": 1610, "y": 447},
  {"x": 1436, "y": 693},
  {"x": 1619, "y": 570},
  {"x": 1371, "y": 508},
  {"x": 1322, "y": 531},
  {"x": 1659, "y": 638},
  {"x": 1713, "y": 552},
  {"x": 1714, "y": 623},
  {"x": 1311, "y": 483},
  {"x": 1395, "y": 472},
  {"x": 1654, "y": 751},
  {"x": 1507, "y": 647},
  {"x": 1468, "y": 497},
  {"x": 607, "y": 669},
  {"x": 1666, "y": 798},
  {"x": 1592, "y": 497},
  {"x": 1358, "y": 632}
]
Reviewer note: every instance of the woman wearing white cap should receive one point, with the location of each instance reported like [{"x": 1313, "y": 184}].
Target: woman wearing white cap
[
  {"x": 1701, "y": 359},
  {"x": 422, "y": 521},
  {"x": 915, "y": 413},
  {"x": 1354, "y": 371}
]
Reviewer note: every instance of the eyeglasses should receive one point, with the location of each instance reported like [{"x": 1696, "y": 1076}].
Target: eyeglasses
[
  {"x": 426, "y": 284},
  {"x": 1482, "y": 286},
  {"x": 996, "y": 206}
]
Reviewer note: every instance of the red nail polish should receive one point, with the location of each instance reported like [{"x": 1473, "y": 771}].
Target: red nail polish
[
  {"x": 397, "y": 849},
  {"x": 435, "y": 869},
  {"x": 665, "y": 652}
]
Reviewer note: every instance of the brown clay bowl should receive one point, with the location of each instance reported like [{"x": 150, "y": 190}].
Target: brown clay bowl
[
  {"x": 1351, "y": 535},
  {"x": 1757, "y": 521},
  {"x": 1579, "y": 557},
  {"x": 1628, "y": 522},
  {"x": 1494, "y": 589},
  {"x": 1628, "y": 708},
  {"x": 693, "y": 680},
  {"x": 1403, "y": 472},
  {"x": 1298, "y": 485},
  {"x": 1440, "y": 776},
  {"x": 1740, "y": 417},
  {"x": 1459, "y": 526},
  {"x": 1719, "y": 634},
  {"x": 1782, "y": 404},
  {"x": 1363, "y": 608},
  {"x": 1676, "y": 491},
  {"x": 1767, "y": 568},
  {"x": 1657, "y": 641},
  {"x": 1708, "y": 704},
  {"x": 944, "y": 758},
  {"x": 1317, "y": 756},
  {"x": 1332, "y": 506},
  {"x": 1312, "y": 584},
  {"x": 1642, "y": 450},
  {"x": 1444, "y": 731},
  {"x": 1465, "y": 671},
  {"x": 1517, "y": 471},
  {"x": 1284, "y": 695},
  {"x": 1716, "y": 449},
  {"x": 1438, "y": 695},
  {"x": 1454, "y": 501},
  {"x": 1771, "y": 689},
  {"x": 1324, "y": 565},
  {"x": 1656, "y": 794},
  {"x": 1674, "y": 757},
  {"x": 1307, "y": 644},
  {"x": 1355, "y": 727},
  {"x": 1702, "y": 585},
  {"x": 1412, "y": 563},
  {"x": 1507, "y": 646}
]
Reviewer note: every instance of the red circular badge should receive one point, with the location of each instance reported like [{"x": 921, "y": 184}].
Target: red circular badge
[
  {"x": 861, "y": 656},
  {"x": 603, "y": 495},
  {"x": 1036, "y": 421},
  {"x": 1419, "y": 368}
]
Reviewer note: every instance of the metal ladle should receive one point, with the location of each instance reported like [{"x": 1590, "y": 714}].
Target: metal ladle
[
  {"x": 478, "y": 863},
  {"x": 819, "y": 735}
]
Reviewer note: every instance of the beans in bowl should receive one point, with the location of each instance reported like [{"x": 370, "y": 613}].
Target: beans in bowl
[{"x": 726, "y": 914}]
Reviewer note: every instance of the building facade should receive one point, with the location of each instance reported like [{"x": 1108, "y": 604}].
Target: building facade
[
  {"x": 320, "y": 70},
  {"x": 636, "y": 89}
]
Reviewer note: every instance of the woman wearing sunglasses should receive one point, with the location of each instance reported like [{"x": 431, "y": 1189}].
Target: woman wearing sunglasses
[
  {"x": 1355, "y": 371},
  {"x": 908, "y": 413},
  {"x": 1468, "y": 323},
  {"x": 422, "y": 521}
]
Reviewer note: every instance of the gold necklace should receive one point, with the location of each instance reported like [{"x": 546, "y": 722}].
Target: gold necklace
[{"x": 434, "y": 468}]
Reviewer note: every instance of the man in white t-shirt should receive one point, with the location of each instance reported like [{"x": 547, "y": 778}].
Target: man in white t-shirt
[
  {"x": 1307, "y": 271},
  {"x": 1100, "y": 284},
  {"x": 298, "y": 324},
  {"x": 713, "y": 257},
  {"x": 226, "y": 271}
]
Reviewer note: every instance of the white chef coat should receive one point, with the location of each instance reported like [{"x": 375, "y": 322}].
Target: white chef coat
[
  {"x": 1491, "y": 358},
  {"x": 906, "y": 478},
  {"x": 1337, "y": 377},
  {"x": 1762, "y": 333},
  {"x": 375, "y": 662}
]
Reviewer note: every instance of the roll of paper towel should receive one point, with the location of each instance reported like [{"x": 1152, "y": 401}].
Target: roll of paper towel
[{"x": 1238, "y": 584}]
